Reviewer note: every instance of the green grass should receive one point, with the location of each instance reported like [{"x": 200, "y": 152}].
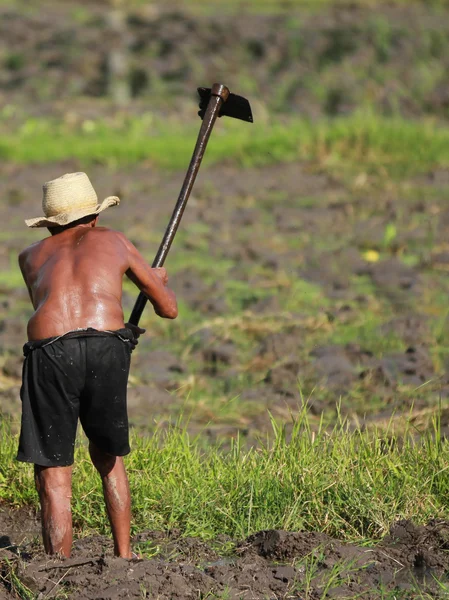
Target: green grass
[
  {"x": 362, "y": 141},
  {"x": 350, "y": 485},
  {"x": 10, "y": 578}
]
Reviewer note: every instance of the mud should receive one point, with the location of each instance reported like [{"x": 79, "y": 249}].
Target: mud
[
  {"x": 263, "y": 246},
  {"x": 247, "y": 237},
  {"x": 268, "y": 564},
  {"x": 296, "y": 60}
]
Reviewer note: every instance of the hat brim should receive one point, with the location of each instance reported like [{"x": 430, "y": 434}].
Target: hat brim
[{"x": 67, "y": 218}]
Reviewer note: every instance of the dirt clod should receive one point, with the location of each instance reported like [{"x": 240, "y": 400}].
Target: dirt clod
[{"x": 270, "y": 562}]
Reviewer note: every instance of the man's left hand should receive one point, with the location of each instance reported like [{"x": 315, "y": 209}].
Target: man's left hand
[{"x": 137, "y": 331}]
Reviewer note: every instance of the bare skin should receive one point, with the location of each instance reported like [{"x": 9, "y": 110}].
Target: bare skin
[
  {"x": 117, "y": 497},
  {"x": 54, "y": 486},
  {"x": 74, "y": 279}
]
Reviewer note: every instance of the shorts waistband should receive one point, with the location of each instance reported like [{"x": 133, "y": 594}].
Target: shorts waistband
[{"x": 124, "y": 334}]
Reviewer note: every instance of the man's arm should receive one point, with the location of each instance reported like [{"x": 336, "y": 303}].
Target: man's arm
[{"x": 151, "y": 282}]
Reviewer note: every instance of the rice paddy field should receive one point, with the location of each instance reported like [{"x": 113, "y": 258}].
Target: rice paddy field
[{"x": 289, "y": 427}]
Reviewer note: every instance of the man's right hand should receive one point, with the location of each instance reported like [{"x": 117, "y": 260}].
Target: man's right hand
[{"x": 152, "y": 282}]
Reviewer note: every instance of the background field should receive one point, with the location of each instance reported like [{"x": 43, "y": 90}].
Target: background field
[{"x": 310, "y": 267}]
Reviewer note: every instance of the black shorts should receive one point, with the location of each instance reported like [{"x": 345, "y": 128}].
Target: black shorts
[{"x": 80, "y": 374}]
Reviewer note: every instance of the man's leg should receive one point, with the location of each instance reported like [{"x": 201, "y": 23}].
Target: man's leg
[
  {"x": 54, "y": 486},
  {"x": 116, "y": 496}
]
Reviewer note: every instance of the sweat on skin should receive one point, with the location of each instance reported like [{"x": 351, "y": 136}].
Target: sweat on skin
[{"x": 74, "y": 279}]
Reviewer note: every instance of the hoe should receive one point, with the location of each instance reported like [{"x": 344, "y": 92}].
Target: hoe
[{"x": 214, "y": 102}]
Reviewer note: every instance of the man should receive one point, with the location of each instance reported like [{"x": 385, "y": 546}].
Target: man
[{"x": 78, "y": 354}]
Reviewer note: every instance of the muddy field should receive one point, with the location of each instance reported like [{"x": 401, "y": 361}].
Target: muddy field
[
  {"x": 265, "y": 346},
  {"x": 290, "y": 290},
  {"x": 298, "y": 283},
  {"x": 269, "y": 564},
  {"x": 293, "y": 58}
]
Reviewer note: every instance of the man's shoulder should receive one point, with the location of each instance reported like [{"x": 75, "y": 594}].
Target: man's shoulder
[{"x": 30, "y": 250}]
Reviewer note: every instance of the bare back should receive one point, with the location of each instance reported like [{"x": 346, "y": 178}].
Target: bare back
[{"x": 75, "y": 281}]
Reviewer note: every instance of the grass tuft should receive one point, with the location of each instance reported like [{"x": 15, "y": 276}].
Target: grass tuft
[{"x": 349, "y": 484}]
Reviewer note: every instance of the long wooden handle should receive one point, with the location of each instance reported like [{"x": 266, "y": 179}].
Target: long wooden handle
[{"x": 219, "y": 94}]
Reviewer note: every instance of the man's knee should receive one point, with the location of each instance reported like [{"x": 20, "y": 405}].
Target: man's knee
[
  {"x": 53, "y": 481},
  {"x": 103, "y": 462}
]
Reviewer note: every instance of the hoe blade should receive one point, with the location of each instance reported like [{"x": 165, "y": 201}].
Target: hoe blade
[{"x": 235, "y": 106}]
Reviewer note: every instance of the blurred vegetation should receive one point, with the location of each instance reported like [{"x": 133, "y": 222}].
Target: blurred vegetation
[
  {"x": 379, "y": 144},
  {"x": 357, "y": 94},
  {"x": 303, "y": 58},
  {"x": 247, "y": 5}
]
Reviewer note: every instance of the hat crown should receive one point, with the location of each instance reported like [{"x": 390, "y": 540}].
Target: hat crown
[
  {"x": 69, "y": 198},
  {"x": 71, "y": 192}
]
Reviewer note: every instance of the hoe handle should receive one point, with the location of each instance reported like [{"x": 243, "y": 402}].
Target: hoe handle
[{"x": 219, "y": 94}]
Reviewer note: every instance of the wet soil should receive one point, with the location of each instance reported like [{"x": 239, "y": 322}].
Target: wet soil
[
  {"x": 310, "y": 62},
  {"x": 246, "y": 239},
  {"x": 268, "y": 564},
  {"x": 254, "y": 337},
  {"x": 266, "y": 233}
]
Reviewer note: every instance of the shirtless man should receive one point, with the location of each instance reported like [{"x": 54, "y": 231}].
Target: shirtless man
[{"x": 78, "y": 354}]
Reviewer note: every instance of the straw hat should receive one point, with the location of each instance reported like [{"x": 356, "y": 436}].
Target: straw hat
[{"x": 67, "y": 199}]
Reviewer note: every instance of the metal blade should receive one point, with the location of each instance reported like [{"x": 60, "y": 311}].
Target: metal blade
[{"x": 235, "y": 106}]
